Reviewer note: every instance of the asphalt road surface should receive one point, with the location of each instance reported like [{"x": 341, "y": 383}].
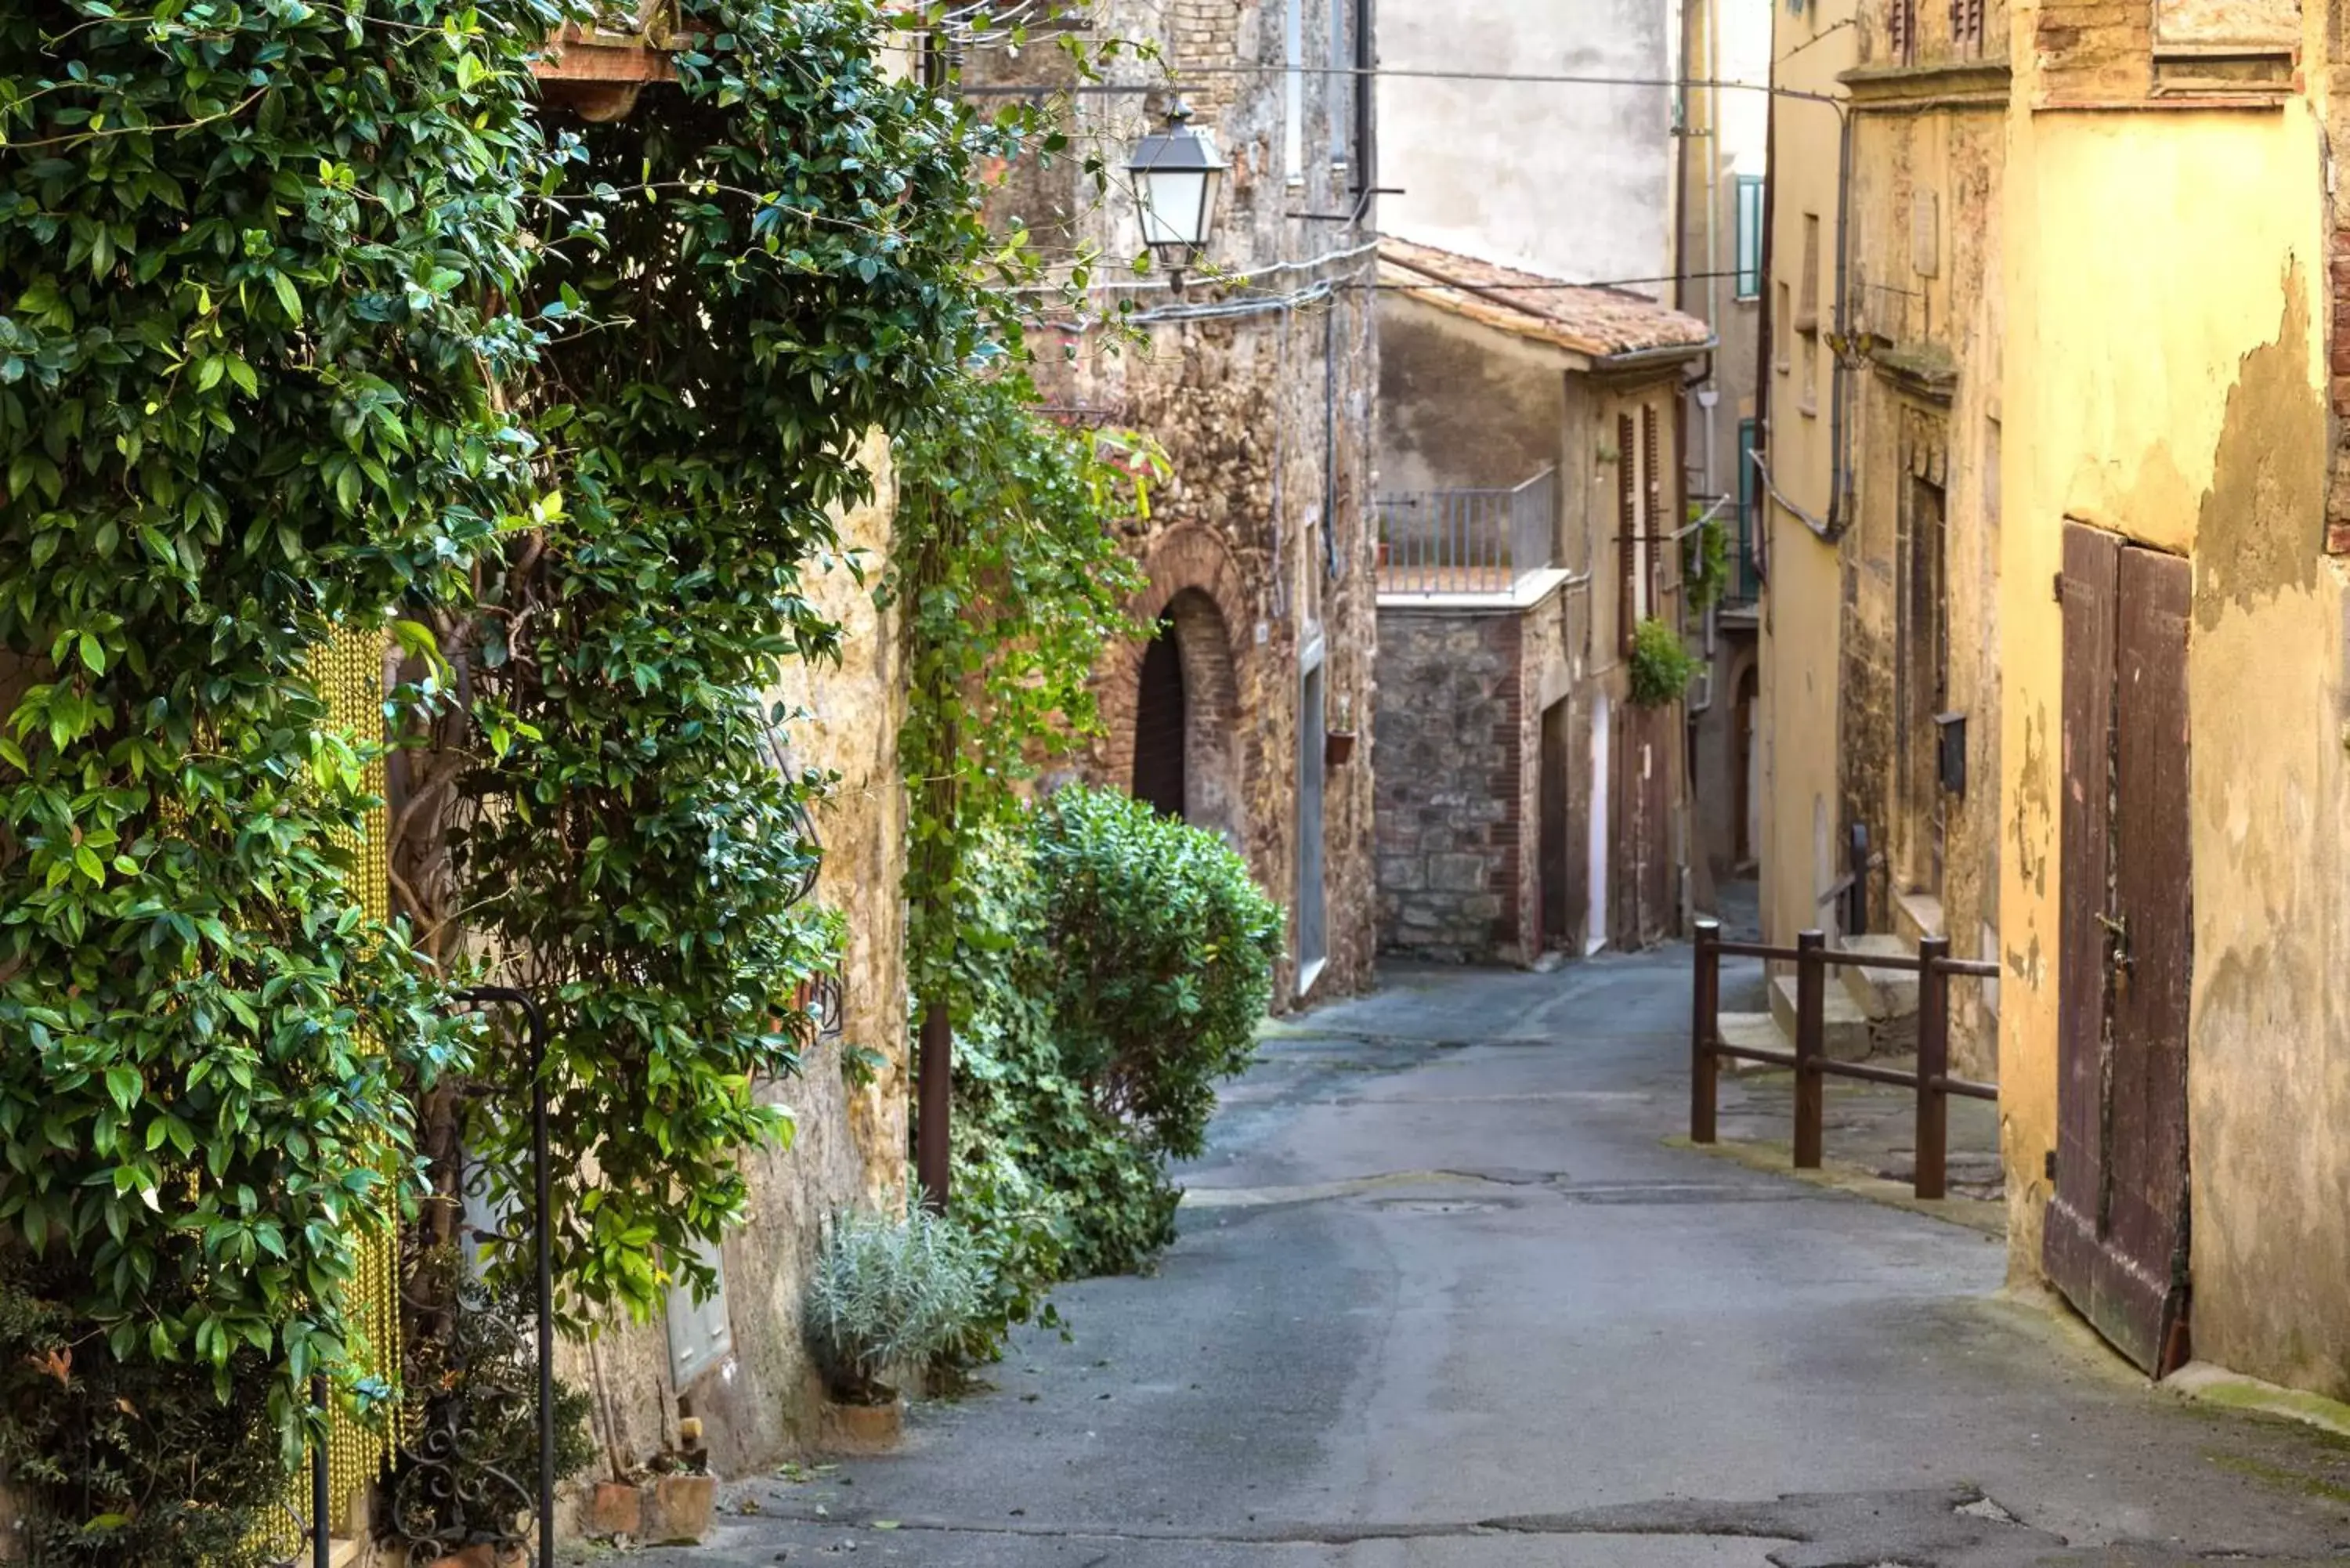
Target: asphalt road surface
[{"x": 1446, "y": 1298}]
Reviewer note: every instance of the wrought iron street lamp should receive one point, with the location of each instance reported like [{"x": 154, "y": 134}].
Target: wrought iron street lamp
[{"x": 1177, "y": 172}]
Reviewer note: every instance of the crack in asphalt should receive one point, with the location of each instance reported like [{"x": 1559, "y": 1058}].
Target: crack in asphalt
[
  {"x": 1954, "y": 1527},
  {"x": 1557, "y": 1182}
]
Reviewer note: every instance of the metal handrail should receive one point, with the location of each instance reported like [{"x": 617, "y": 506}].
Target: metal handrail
[
  {"x": 1472, "y": 541},
  {"x": 1931, "y": 1079}
]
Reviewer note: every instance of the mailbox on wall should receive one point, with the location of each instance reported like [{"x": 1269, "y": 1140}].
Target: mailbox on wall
[{"x": 1953, "y": 752}]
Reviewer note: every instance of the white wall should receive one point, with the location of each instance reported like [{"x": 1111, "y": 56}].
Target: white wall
[
  {"x": 1745, "y": 29},
  {"x": 1569, "y": 181}
]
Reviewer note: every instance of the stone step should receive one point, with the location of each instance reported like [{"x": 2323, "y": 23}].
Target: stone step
[
  {"x": 1844, "y": 1033},
  {"x": 1758, "y": 1030},
  {"x": 1882, "y": 993}
]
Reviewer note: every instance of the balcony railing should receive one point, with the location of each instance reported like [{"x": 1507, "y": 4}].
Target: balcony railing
[{"x": 1468, "y": 541}]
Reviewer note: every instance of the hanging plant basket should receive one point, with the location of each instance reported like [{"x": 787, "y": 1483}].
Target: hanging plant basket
[
  {"x": 1337, "y": 748},
  {"x": 596, "y": 69}
]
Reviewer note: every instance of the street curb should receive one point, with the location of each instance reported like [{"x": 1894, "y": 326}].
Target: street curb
[
  {"x": 1974, "y": 1214},
  {"x": 2206, "y": 1382}
]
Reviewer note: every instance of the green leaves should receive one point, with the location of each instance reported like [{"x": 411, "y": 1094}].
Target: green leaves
[
  {"x": 1116, "y": 965},
  {"x": 1010, "y": 575},
  {"x": 227, "y": 430},
  {"x": 309, "y": 320},
  {"x": 1661, "y": 665}
]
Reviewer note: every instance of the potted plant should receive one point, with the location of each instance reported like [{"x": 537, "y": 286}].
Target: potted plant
[
  {"x": 1661, "y": 665},
  {"x": 887, "y": 1297},
  {"x": 597, "y": 67},
  {"x": 1338, "y": 742}
]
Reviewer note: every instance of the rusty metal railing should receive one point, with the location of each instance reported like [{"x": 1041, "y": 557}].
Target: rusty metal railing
[{"x": 1813, "y": 958}]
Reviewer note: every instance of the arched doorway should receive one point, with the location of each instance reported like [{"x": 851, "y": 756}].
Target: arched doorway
[
  {"x": 1186, "y": 759},
  {"x": 1160, "y": 722}
]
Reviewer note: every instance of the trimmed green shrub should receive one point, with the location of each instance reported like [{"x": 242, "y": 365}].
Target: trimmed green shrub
[
  {"x": 1163, "y": 950},
  {"x": 1118, "y": 964}
]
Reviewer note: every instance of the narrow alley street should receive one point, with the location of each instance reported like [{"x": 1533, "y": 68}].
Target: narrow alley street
[{"x": 1448, "y": 1296}]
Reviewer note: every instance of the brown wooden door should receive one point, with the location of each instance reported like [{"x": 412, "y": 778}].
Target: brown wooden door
[
  {"x": 1646, "y": 905},
  {"x": 1555, "y": 866},
  {"x": 2116, "y": 1237}
]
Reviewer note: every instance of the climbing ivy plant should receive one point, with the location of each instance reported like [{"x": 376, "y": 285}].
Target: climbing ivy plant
[
  {"x": 1010, "y": 570},
  {"x": 250, "y": 261},
  {"x": 740, "y": 280},
  {"x": 310, "y": 319}
]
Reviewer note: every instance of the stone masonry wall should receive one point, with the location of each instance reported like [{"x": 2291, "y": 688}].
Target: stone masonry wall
[
  {"x": 1261, "y": 392},
  {"x": 1454, "y": 784}
]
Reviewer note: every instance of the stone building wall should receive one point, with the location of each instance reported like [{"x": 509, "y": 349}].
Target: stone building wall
[
  {"x": 1452, "y": 784},
  {"x": 1926, "y": 300},
  {"x": 1462, "y": 782},
  {"x": 1260, "y": 388}
]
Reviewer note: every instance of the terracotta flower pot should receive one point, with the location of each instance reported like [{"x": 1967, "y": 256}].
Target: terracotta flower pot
[
  {"x": 1338, "y": 747},
  {"x": 616, "y": 1508},
  {"x": 863, "y": 1429},
  {"x": 677, "y": 1509}
]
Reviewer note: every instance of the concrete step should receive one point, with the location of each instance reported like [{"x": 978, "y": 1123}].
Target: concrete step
[
  {"x": 1917, "y": 915},
  {"x": 1758, "y": 1030},
  {"x": 1882, "y": 993},
  {"x": 1846, "y": 1034}
]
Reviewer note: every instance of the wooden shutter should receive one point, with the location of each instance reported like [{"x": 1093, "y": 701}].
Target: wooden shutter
[
  {"x": 1900, "y": 31},
  {"x": 1653, "y": 527},
  {"x": 1967, "y": 26},
  {"x": 1750, "y": 236},
  {"x": 1628, "y": 534}
]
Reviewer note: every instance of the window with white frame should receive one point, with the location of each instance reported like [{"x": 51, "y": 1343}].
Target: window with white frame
[{"x": 1750, "y": 235}]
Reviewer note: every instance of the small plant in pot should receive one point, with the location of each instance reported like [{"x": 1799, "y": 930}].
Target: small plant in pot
[{"x": 887, "y": 1297}]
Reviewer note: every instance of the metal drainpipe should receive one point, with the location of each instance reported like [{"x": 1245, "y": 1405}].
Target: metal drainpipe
[
  {"x": 1713, "y": 243},
  {"x": 1330, "y": 440},
  {"x": 1839, "y": 459}
]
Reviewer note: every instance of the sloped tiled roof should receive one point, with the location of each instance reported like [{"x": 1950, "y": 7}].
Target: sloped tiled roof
[{"x": 1598, "y": 322}]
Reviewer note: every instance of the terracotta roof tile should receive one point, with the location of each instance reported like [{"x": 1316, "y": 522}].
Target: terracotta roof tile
[{"x": 1598, "y": 322}]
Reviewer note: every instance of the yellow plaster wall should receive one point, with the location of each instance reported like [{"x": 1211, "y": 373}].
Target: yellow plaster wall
[
  {"x": 2166, "y": 381},
  {"x": 1801, "y": 618},
  {"x": 1913, "y": 154}
]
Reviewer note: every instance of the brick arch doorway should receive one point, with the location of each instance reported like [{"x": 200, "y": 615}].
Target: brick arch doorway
[{"x": 1186, "y": 757}]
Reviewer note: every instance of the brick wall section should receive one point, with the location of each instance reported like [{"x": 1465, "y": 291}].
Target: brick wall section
[
  {"x": 1454, "y": 785},
  {"x": 2095, "y": 51}
]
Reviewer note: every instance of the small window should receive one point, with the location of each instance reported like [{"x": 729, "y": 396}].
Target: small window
[
  {"x": 1967, "y": 27},
  {"x": 1807, "y": 311},
  {"x": 1785, "y": 317},
  {"x": 1900, "y": 31},
  {"x": 1750, "y": 236}
]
